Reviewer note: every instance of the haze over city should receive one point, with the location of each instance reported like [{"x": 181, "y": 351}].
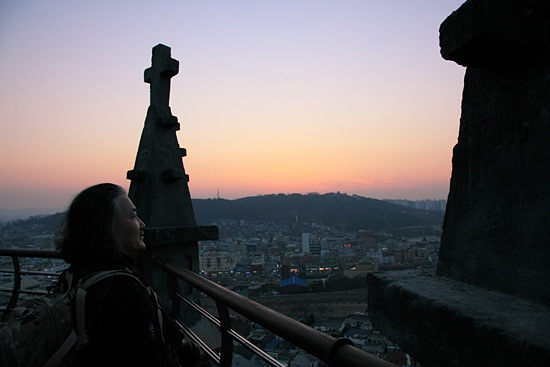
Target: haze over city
[{"x": 272, "y": 96}]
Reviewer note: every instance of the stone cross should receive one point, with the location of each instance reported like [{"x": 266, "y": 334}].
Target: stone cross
[{"x": 163, "y": 68}]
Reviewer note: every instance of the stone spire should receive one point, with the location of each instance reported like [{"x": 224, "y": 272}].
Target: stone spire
[
  {"x": 159, "y": 187},
  {"x": 160, "y": 191}
]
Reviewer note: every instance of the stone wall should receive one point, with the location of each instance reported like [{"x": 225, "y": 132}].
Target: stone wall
[
  {"x": 496, "y": 231},
  {"x": 489, "y": 303}
]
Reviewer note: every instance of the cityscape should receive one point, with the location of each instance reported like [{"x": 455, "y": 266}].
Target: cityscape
[{"x": 309, "y": 271}]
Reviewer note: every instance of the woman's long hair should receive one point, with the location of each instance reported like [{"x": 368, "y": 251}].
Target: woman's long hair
[{"x": 88, "y": 234}]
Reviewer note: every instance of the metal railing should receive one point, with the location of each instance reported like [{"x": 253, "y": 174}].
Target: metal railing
[
  {"x": 330, "y": 350},
  {"x": 16, "y": 290}
]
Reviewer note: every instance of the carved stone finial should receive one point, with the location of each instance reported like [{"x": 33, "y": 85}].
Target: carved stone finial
[{"x": 163, "y": 68}]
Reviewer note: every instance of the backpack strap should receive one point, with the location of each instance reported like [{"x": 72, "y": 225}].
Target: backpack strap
[
  {"x": 58, "y": 356},
  {"x": 80, "y": 300},
  {"x": 160, "y": 315}
]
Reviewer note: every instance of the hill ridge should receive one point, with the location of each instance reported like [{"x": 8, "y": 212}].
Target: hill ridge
[
  {"x": 347, "y": 212},
  {"x": 342, "y": 211}
]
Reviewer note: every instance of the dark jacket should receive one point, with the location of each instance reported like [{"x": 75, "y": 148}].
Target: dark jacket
[{"x": 122, "y": 323}]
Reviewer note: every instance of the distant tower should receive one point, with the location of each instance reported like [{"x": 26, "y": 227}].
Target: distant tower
[{"x": 305, "y": 243}]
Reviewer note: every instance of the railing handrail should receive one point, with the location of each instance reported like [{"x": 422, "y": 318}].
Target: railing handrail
[
  {"x": 25, "y": 272},
  {"x": 30, "y": 253},
  {"x": 333, "y": 351}
]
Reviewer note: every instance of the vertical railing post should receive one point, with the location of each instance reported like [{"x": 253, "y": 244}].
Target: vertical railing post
[
  {"x": 226, "y": 354},
  {"x": 16, "y": 284}
]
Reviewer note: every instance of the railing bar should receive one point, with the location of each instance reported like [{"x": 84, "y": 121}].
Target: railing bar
[
  {"x": 32, "y": 253},
  {"x": 255, "y": 349},
  {"x": 200, "y": 310},
  {"x": 194, "y": 338},
  {"x": 236, "y": 336},
  {"x": 11, "y": 271},
  {"x": 23, "y": 291},
  {"x": 37, "y": 292}
]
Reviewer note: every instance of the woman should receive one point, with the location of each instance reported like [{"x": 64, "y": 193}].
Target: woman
[{"x": 103, "y": 232}]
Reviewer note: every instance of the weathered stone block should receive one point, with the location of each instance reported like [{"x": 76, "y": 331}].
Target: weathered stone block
[
  {"x": 495, "y": 33},
  {"x": 496, "y": 231},
  {"x": 441, "y": 322}
]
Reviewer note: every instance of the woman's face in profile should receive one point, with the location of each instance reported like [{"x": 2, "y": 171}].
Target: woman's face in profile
[{"x": 129, "y": 228}]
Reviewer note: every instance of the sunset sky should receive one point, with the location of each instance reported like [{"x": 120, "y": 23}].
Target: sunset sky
[{"x": 272, "y": 96}]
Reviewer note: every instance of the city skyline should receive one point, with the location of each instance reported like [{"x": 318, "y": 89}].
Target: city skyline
[{"x": 272, "y": 97}]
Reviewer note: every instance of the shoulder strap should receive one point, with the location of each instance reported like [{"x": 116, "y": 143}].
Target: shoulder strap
[
  {"x": 80, "y": 300},
  {"x": 56, "y": 358},
  {"x": 63, "y": 284}
]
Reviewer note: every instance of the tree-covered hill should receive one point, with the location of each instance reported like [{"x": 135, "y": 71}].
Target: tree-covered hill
[
  {"x": 345, "y": 212},
  {"x": 341, "y": 211}
]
